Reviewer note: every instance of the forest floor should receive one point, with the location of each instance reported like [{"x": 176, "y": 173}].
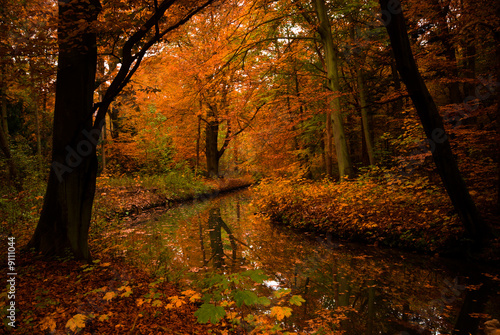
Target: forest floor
[
  {"x": 106, "y": 297},
  {"x": 109, "y": 296}
]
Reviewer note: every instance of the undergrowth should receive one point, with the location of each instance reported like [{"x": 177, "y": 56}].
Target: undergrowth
[{"x": 377, "y": 207}]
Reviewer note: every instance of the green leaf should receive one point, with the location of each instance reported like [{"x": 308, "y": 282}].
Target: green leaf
[
  {"x": 247, "y": 297},
  {"x": 264, "y": 301},
  {"x": 256, "y": 275},
  {"x": 209, "y": 312},
  {"x": 296, "y": 300}
]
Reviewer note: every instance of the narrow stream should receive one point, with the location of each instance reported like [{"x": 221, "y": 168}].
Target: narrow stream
[{"x": 354, "y": 288}]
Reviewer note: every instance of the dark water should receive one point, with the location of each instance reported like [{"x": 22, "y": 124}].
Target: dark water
[{"x": 351, "y": 288}]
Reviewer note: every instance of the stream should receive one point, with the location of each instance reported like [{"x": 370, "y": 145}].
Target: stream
[{"x": 347, "y": 287}]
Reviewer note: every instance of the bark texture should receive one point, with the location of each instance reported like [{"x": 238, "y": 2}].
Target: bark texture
[{"x": 67, "y": 208}]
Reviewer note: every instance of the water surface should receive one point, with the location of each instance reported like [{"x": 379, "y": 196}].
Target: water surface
[{"x": 347, "y": 287}]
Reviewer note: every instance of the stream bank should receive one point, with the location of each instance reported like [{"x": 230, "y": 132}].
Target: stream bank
[
  {"x": 413, "y": 215},
  {"x": 137, "y": 199}
]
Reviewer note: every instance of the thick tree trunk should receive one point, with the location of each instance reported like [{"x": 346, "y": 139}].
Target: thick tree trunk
[
  {"x": 67, "y": 208},
  {"x": 432, "y": 123},
  {"x": 497, "y": 52},
  {"x": 324, "y": 29}
]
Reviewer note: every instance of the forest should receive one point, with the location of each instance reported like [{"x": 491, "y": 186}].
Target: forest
[{"x": 250, "y": 166}]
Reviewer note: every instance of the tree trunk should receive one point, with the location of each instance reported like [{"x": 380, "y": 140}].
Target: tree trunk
[
  {"x": 4, "y": 124},
  {"x": 367, "y": 134},
  {"x": 432, "y": 123},
  {"x": 328, "y": 143},
  {"x": 4, "y": 133},
  {"x": 366, "y": 126},
  {"x": 212, "y": 150},
  {"x": 397, "y": 106},
  {"x": 4, "y": 146},
  {"x": 67, "y": 208},
  {"x": 496, "y": 35},
  {"x": 198, "y": 138},
  {"x": 331, "y": 60}
]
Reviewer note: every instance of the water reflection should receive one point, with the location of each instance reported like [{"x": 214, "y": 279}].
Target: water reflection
[
  {"x": 359, "y": 290},
  {"x": 215, "y": 227}
]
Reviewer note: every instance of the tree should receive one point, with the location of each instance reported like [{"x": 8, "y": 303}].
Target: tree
[
  {"x": 431, "y": 122},
  {"x": 334, "y": 114},
  {"x": 65, "y": 219}
]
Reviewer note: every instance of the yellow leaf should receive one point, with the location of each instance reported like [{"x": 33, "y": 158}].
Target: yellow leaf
[
  {"x": 127, "y": 293},
  {"x": 104, "y": 317},
  {"x": 76, "y": 322},
  {"x": 48, "y": 324},
  {"x": 139, "y": 302},
  {"x": 110, "y": 295},
  {"x": 195, "y": 297},
  {"x": 280, "y": 312},
  {"x": 188, "y": 292},
  {"x": 176, "y": 300}
]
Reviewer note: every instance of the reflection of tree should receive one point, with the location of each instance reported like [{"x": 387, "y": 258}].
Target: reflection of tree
[{"x": 215, "y": 226}]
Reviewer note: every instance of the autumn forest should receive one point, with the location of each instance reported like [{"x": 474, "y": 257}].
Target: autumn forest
[{"x": 250, "y": 166}]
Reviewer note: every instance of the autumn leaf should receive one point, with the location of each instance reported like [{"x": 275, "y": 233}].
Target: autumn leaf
[
  {"x": 104, "y": 317},
  {"x": 48, "y": 324},
  {"x": 281, "y": 312},
  {"x": 176, "y": 301},
  {"x": 127, "y": 289},
  {"x": 193, "y": 295},
  {"x": 76, "y": 322},
  {"x": 110, "y": 295}
]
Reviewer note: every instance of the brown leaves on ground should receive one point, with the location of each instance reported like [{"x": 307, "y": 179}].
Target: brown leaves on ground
[{"x": 106, "y": 297}]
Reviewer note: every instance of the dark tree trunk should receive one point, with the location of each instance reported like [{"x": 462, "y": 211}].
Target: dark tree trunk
[
  {"x": 67, "y": 208},
  {"x": 432, "y": 123},
  {"x": 211, "y": 149},
  {"x": 4, "y": 146},
  {"x": 497, "y": 52}
]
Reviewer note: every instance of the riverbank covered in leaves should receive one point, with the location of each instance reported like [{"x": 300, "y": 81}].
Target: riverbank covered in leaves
[
  {"x": 376, "y": 208},
  {"x": 131, "y": 196}
]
